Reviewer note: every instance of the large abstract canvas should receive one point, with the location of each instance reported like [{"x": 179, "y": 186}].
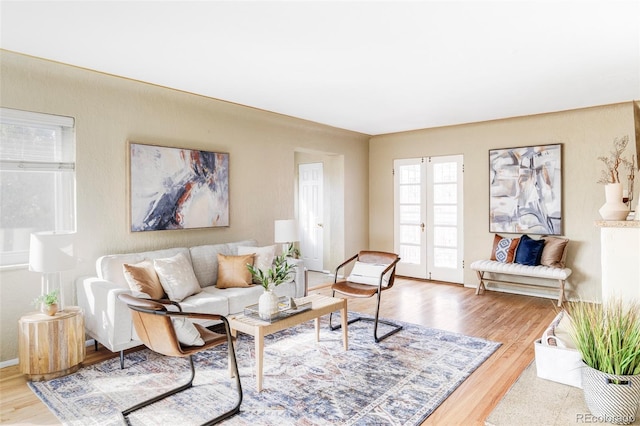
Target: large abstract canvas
[
  {"x": 525, "y": 187},
  {"x": 175, "y": 188}
]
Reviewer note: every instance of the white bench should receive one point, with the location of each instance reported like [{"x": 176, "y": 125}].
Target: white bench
[{"x": 482, "y": 267}]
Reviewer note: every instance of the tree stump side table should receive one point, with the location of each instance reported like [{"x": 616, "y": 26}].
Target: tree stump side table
[{"x": 51, "y": 346}]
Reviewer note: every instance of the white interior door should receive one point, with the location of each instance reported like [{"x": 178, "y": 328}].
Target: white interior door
[
  {"x": 310, "y": 211},
  {"x": 428, "y": 217}
]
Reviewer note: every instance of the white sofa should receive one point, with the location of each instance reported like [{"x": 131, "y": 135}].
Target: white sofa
[{"x": 108, "y": 320}]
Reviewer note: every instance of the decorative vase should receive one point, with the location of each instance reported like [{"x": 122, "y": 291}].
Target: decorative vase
[
  {"x": 268, "y": 305},
  {"x": 49, "y": 309},
  {"x": 613, "y": 208},
  {"x": 610, "y": 397}
]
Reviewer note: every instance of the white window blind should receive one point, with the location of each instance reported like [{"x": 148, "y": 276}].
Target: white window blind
[{"x": 37, "y": 179}]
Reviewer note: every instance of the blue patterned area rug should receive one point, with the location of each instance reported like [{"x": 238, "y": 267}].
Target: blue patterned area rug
[{"x": 399, "y": 381}]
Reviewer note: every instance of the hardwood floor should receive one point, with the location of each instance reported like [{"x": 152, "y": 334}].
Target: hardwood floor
[{"x": 515, "y": 321}]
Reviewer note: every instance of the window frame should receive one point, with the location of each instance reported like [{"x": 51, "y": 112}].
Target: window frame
[{"x": 61, "y": 163}]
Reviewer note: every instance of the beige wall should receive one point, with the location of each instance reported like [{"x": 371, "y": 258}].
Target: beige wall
[
  {"x": 110, "y": 111},
  {"x": 585, "y": 134}
]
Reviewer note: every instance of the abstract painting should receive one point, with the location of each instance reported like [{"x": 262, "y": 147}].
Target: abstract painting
[
  {"x": 525, "y": 190},
  {"x": 176, "y": 188}
]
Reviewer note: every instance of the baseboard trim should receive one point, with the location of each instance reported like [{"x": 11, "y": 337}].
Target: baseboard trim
[{"x": 9, "y": 363}]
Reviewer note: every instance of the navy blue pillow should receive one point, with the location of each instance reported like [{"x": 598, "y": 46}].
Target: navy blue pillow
[{"x": 529, "y": 251}]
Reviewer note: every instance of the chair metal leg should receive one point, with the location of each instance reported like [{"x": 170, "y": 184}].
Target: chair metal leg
[
  {"x": 375, "y": 320},
  {"x": 143, "y": 404},
  {"x": 226, "y": 415},
  {"x": 95, "y": 344},
  {"x": 121, "y": 360}
]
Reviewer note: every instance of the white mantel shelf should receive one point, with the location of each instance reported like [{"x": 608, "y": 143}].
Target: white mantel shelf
[{"x": 618, "y": 223}]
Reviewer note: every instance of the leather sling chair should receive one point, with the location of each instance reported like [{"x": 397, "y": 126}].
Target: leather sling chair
[
  {"x": 373, "y": 273},
  {"x": 154, "y": 327}
]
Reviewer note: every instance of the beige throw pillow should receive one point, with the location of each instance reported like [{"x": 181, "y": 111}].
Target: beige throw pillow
[
  {"x": 142, "y": 278},
  {"x": 553, "y": 251},
  {"x": 263, "y": 258},
  {"x": 233, "y": 272},
  {"x": 177, "y": 277},
  {"x": 186, "y": 332}
]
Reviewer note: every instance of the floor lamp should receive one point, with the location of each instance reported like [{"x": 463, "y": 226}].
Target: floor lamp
[
  {"x": 51, "y": 253},
  {"x": 286, "y": 233}
]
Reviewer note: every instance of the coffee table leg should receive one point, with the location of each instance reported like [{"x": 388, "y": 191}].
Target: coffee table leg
[
  {"x": 317, "y": 322},
  {"x": 343, "y": 317},
  {"x": 259, "y": 342},
  {"x": 234, "y": 334}
]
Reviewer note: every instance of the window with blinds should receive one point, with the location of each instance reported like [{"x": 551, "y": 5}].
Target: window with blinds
[{"x": 37, "y": 179}]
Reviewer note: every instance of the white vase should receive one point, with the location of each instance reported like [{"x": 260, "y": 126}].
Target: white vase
[
  {"x": 268, "y": 305},
  {"x": 613, "y": 208}
]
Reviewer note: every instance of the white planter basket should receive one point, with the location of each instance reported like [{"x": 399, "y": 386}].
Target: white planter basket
[{"x": 612, "y": 398}]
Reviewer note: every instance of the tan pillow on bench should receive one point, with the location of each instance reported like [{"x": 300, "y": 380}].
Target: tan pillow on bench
[{"x": 553, "y": 252}]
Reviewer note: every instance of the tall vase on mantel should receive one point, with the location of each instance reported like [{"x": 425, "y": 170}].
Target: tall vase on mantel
[{"x": 613, "y": 208}]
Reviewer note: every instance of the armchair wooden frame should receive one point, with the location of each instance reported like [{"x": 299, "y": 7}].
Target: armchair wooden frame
[
  {"x": 153, "y": 324},
  {"x": 351, "y": 289}
]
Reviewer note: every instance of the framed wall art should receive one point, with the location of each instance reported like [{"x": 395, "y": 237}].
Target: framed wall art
[
  {"x": 525, "y": 190},
  {"x": 177, "y": 188}
]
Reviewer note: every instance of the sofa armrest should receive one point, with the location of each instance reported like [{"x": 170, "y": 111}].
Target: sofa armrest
[{"x": 107, "y": 319}]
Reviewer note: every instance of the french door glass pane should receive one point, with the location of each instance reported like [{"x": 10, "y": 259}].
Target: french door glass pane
[
  {"x": 410, "y": 234},
  {"x": 409, "y": 174},
  {"x": 409, "y": 194},
  {"x": 445, "y": 193},
  {"x": 445, "y": 236},
  {"x": 410, "y": 254},
  {"x": 409, "y": 214},
  {"x": 445, "y": 257},
  {"x": 445, "y": 172},
  {"x": 445, "y": 215}
]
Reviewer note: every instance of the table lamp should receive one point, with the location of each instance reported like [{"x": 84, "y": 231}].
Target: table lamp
[
  {"x": 52, "y": 252},
  {"x": 286, "y": 233}
]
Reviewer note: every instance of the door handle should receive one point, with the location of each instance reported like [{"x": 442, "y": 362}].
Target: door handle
[
  {"x": 319, "y": 225},
  {"x": 422, "y": 227}
]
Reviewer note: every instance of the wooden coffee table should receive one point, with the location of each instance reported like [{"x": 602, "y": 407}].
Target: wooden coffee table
[{"x": 320, "y": 305}]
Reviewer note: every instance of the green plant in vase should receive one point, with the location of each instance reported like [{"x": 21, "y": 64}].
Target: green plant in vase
[
  {"x": 48, "y": 303},
  {"x": 292, "y": 251},
  {"x": 270, "y": 278},
  {"x": 274, "y": 276}
]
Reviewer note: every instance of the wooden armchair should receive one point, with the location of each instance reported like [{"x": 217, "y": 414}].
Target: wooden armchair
[
  {"x": 155, "y": 328},
  {"x": 373, "y": 273}
]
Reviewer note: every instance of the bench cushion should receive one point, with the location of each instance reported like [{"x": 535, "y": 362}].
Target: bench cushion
[{"x": 539, "y": 271}]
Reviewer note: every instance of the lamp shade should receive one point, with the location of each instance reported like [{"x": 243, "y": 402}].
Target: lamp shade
[
  {"x": 286, "y": 231},
  {"x": 51, "y": 251}
]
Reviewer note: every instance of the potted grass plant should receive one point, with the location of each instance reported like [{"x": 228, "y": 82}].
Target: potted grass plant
[{"x": 608, "y": 338}]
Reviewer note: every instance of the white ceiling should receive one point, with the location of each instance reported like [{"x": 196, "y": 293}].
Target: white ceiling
[{"x": 372, "y": 67}]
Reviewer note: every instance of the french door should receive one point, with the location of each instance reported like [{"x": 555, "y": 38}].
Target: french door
[{"x": 428, "y": 218}]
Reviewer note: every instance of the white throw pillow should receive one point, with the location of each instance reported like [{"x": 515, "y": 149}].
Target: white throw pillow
[
  {"x": 263, "y": 255},
  {"x": 177, "y": 277},
  {"x": 187, "y": 332},
  {"x": 369, "y": 273}
]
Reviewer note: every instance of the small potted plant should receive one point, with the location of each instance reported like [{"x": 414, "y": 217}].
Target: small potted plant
[
  {"x": 48, "y": 303},
  {"x": 269, "y": 279},
  {"x": 293, "y": 251},
  {"x": 607, "y": 337}
]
